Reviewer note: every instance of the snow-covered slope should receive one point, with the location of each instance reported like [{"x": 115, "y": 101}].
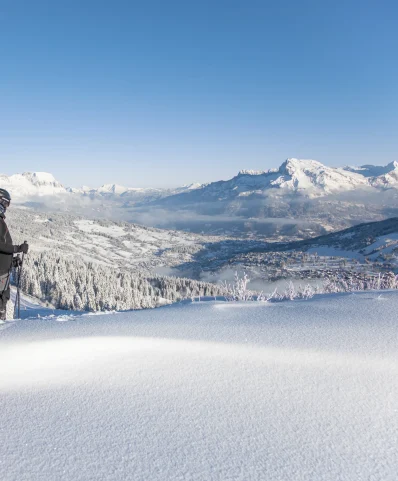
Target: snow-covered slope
[
  {"x": 122, "y": 245},
  {"x": 364, "y": 238},
  {"x": 161, "y": 251},
  {"x": 212, "y": 391}
]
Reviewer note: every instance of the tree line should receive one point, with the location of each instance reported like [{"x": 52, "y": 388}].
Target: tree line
[{"x": 76, "y": 284}]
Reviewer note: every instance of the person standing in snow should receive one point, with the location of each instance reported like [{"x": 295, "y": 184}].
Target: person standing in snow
[{"x": 7, "y": 250}]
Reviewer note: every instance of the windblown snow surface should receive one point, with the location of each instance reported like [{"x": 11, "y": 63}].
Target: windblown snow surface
[{"x": 302, "y": 390}]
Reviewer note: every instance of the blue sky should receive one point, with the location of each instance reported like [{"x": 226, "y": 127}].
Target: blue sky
[{"x": 171, "y": 92}]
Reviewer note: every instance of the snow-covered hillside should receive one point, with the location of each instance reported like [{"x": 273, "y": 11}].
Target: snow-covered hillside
[
  {"x": 366, "y": 247},
  {"x": 118, "y": 245},
  {"x": 360, "y": 252},
  {"x": 372, "y": 240},
  {"x": 211, "y": 391}
]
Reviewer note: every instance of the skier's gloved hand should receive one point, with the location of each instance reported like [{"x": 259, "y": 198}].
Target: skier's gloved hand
[{"x": 22, "y": 248}]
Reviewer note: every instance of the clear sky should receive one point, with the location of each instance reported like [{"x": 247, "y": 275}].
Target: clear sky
[{"x": 164, "y": 93}]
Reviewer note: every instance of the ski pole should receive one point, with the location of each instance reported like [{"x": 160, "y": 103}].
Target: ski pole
[
  {"x": 18, "y": 297},
  {"x": 19, "y": 289},
  {"x": 18, "y": 274}
]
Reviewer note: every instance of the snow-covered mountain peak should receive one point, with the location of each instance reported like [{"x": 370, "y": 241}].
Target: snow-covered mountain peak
[
  {"x": 31, "y": 184},
  {"x": 40, "y": 178},
  {"x": 193, "y": 186},
  {"x": 373, "y": 170},
  {"x": 295, "y": 176},
  {"x": 244, "y": 172},
  {"x": 378, "y": 175},
  {"x": 315, "y": 178},
  {"x": 393, "y": 165},
  {"x": 300, "y": 175},
  {"x": 112, "y": 189},
  {"x": 289, "y": 167},
  {"x": 292, "y": 165},
  {"x": 36, "y": 178}
]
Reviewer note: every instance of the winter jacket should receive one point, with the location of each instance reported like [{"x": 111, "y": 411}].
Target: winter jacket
[{"x": 6, "y": 248}]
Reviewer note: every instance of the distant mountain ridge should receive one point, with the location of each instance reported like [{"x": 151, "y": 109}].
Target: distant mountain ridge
[
  {"x": 307, "y": 177},
  {"x": 304, "y": 176},
  {"x": 31, "y": 184},
  {"x": 299, "y": 199}
]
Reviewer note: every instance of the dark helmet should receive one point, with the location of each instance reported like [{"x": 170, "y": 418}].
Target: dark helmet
[{"x": 5, "y": 196}]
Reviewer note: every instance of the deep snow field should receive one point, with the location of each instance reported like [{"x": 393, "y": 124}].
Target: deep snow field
[{"x": 291, "y": 391}]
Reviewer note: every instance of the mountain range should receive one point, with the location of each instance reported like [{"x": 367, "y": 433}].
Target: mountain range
[
  {"x": 27, "y": 185},
  {"x": 298, "y": 191},
  {"x": 308, "y": 177}
]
